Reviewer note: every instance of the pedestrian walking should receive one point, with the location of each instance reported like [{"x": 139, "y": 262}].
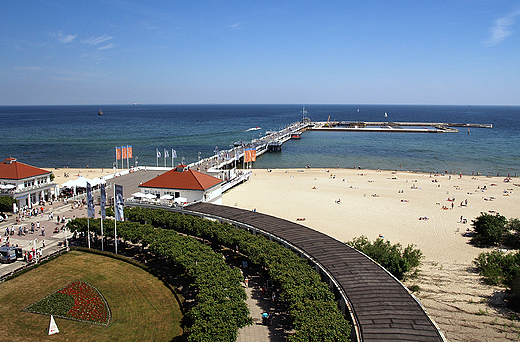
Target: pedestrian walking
[
  {"x": 271, "y": 317},
  {"x": 246, "y": 281}
]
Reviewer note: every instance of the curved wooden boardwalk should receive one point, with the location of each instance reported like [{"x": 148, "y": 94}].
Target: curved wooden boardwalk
[{"x": 380, "y": 306}]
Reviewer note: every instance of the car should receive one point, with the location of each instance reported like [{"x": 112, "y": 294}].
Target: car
[{"x": 8, "y": 254}]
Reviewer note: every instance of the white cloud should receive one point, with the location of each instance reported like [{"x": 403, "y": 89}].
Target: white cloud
[
  {"x": 95, "y": 41},
  {"x": 502, "y": 28},
  {"x": 109, "y": 46},
  {"x": 64, "y": 39}
]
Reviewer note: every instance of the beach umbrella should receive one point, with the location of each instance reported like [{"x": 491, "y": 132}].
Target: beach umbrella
[
  {"x": 138, "y": 194},
  {"x": 166, "y": 197},
  {"x": 149, "y": 196},
  {"x": 181, "y": 200}
]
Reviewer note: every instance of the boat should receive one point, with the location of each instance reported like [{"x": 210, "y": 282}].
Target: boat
[
  {"x": 296, "y": 135},
  {"x": 100, "y": 112}
]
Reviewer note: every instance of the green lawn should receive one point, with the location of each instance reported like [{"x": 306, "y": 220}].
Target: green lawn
[{"x": 143, "y": 308}]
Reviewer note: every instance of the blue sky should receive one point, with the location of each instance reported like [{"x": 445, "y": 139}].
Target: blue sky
[{"x": 197, "y": 52}]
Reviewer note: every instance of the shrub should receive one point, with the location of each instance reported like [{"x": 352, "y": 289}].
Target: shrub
[
  {"x": 6, "y": 203},
  {"x": 489, "y": 228},
  {"x": 392, "y": 257}
]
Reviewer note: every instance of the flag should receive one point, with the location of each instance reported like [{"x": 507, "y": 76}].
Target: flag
[
  {"x": 103, "y": 201},
  {"x": 120, "y": 203},
  {"x": 118, "y": 153},
  {"x": 53, "y": 328},
  {"x": 91, "y": 212},
  {"x": 124, "y": 152},
  {"x": 253, "y": 154},
  {"x": 174, "y": 153},
  {"x": 247, "y": 156},
  {"x": 129, "y": 148},
  {"x": 166, "y": 155},
  {"x": 158, "y": 154}
]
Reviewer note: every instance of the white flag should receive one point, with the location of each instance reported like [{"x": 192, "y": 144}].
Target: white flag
[
  {"x": 158, "y": 154},
  {"x": 166, "y": 155},
  {"x": 53, "y": 328},
  {"x": 174, "y": 154}
]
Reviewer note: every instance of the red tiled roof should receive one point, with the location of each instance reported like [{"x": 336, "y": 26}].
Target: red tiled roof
[
  {"x": 186, "y": 180},
  {"x": 11, "y": 169}
]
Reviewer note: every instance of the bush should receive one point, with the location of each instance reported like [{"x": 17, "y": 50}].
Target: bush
[
  {"x": 6, "y": 203},
  {"x": 490, "y": 229},
  {"x": 512, "y": 234},
  {"x": 392, "y": 257}
]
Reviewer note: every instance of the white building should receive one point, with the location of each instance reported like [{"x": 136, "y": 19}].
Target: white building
[
  {"x": 192, "y": 185},
  {"x": 28, "y": 185}
]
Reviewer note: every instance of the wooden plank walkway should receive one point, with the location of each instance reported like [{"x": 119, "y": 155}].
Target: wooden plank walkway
[{"x": 382, "y": 308}]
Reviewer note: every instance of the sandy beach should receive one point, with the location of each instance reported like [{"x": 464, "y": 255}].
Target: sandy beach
[
  {"x": 431, "y": 211},
  {"x": 347, "y": 203},
  {"x": 63, "y": 175}
]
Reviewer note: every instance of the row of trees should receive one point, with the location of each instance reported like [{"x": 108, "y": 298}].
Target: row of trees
[
  {"x": 312, "y": 306},
  {"x": 220, "y": 310}
]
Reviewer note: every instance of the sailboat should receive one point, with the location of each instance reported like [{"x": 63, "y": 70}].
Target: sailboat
[
  {"x": 100, "y": 112},
  {"x": 386, "y": 115}
]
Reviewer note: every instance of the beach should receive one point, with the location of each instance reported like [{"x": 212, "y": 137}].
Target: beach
[
  {"x": 406, "y": 208},
  {"x": 62, "y": 175},
  {"x": 430, "y": 211}
]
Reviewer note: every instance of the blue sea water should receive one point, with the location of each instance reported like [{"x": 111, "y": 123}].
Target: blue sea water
[{"x": 76, "y": 136}]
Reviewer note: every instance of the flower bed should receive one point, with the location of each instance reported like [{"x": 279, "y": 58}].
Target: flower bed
[{"x": 77, "y": 301}]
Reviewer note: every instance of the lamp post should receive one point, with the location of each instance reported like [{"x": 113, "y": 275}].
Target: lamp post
[{"x": 136, "y": 161}]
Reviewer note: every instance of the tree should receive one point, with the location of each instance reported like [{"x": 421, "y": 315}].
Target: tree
[
  {"x": 490, "y": 229},
  {"x": 6, "y": 203}
]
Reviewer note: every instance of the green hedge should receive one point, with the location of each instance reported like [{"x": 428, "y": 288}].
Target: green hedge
[
  {"x": 312, "y": 306},
  {"x": 221, "y": 309}
]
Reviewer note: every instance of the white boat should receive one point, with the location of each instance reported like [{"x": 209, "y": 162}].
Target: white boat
[{"x": 100, "y": 112}]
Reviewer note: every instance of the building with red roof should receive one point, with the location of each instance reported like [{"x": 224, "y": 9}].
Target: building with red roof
[
  {"x": 27, "y": 184},
  {"x": 185, "y": 183}
]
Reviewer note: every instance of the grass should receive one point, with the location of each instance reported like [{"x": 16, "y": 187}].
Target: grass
[{"x": 143, "y": 308}]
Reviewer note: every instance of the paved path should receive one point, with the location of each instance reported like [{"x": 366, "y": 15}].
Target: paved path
[
  {"x": 258, "y": 332},
  {"x": 53, "y": 241}
]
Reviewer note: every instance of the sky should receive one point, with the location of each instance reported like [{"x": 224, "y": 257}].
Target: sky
[{"x": 460, "y": 52}]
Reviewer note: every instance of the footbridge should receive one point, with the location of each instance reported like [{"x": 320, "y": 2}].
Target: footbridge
[{"x": 379, "y": 306}]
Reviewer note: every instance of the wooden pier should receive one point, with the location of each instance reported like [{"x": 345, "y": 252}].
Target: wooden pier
[{"x": 395, "y": 127}]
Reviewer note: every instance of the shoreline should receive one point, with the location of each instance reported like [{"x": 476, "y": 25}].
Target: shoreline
[{"x": 347, "y": 203}]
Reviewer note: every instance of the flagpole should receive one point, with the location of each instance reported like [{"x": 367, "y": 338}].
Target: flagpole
[
  {"x": 127, "y": 163},
  {"x": 164, "y": 158},
  {"x": 88, "y": 229},
  {"x": 157, "y": 157},
  {"x": 102, "y": 237},
  {"x": 115, "y": 221},
  {"x": 172, "y": 158}
]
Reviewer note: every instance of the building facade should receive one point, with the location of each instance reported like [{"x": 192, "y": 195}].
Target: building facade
[
  {"x": 28, "y": 185},
  {"x": 182, "y": 182}
]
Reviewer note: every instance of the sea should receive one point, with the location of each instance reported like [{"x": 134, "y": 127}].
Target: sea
[{"x": 77, "y": 137}]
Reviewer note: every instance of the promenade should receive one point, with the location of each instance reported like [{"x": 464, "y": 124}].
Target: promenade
[{"x": 54, "y": 242}]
